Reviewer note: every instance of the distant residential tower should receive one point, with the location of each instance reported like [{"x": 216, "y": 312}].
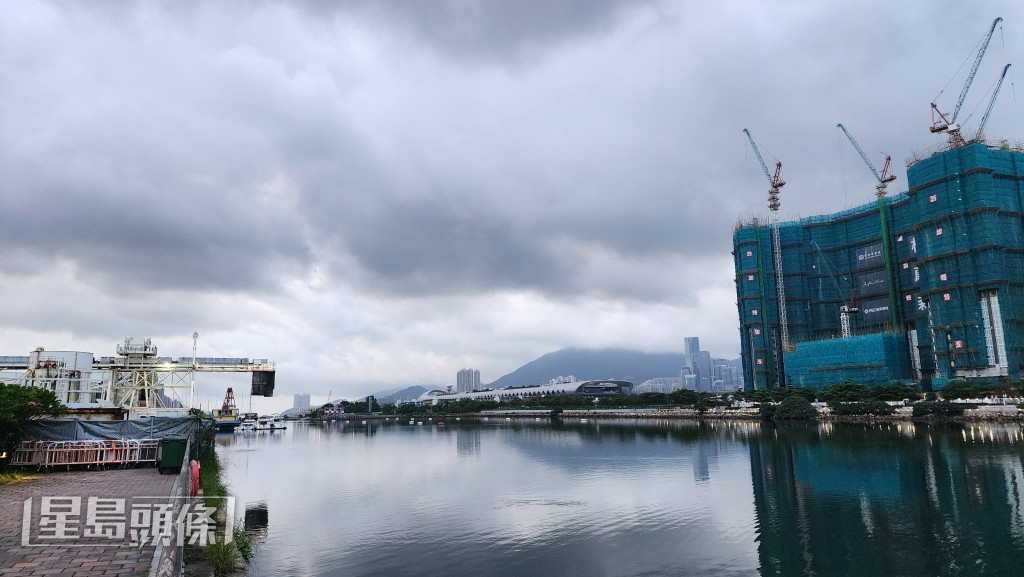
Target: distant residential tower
[{"x": 468, "y": 380}]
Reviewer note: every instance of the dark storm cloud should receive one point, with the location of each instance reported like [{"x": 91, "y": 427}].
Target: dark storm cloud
[
  {"x": 423, "y": 246},
  {"x": 635, "y": 158},
  {"x": 405, "y": 180},
  {"x": 488, "y": 30},
  {"x": 139, "y": 243}
]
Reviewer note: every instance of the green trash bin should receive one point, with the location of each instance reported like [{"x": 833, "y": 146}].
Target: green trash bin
[{"x": 172, "y": 453}]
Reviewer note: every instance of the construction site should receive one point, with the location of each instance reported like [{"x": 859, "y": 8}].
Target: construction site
[{"x": 924, "y": 287}]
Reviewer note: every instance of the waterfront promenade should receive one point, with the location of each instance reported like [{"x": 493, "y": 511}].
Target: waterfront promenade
[{"x": 79, "y": 557}]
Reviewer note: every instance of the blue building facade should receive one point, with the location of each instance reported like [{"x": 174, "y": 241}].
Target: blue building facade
[{"x": 935, "y": 274}]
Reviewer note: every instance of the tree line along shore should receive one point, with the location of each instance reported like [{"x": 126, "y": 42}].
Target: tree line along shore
[{"x": 959, "y": 400}]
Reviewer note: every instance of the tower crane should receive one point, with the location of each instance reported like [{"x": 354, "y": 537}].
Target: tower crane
[
  {"x": 942, "y": 123},
  {"x": 984, "y": 119},
  {"x": 883, "y": 181},
  {"x": 776, "y": 182},
  {"x": 885, "y": 177}
]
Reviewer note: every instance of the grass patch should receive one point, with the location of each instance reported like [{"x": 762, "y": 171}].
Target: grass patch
[
  {"x": 243, "y": 543},
  {"x": 14, "y": 477},
  {"x": 224, "y": 557},
  {"x": 210, "y": 479}
]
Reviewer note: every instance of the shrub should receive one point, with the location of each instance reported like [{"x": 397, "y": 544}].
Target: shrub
[
  {"x": 940, "y": 408},
  {"x": 963, "y": 390},
  {"x": 224, "y": 557},
  {"x": 18, "y": 406},
  {"x": 795, "y": 408},
  {"x": 767, "y": 412},
  {"x": 863, "y": 408}
]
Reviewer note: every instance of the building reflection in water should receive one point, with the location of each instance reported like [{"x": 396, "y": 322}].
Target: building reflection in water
[
  {"x": 467, "y": 442},
  {"x": 889, "y": 499}
]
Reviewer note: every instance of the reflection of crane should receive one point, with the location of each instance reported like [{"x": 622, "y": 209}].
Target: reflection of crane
[
  {"x": 850, "y": 307},
  {"x": 776, "y": 182},
  {"x": 885, "y": 177},
  {"x": 940, "y": 122},
  {"x": 984, "y": 119}
]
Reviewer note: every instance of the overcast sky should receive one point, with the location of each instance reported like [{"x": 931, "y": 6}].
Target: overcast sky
[{"x": 379, "y": 193}]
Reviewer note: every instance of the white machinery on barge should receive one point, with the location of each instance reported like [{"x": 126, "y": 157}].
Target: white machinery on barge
[{"x": 136, "y": 381}]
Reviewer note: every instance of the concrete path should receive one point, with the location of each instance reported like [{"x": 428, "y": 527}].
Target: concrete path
[{"x": 48, "y": 553}]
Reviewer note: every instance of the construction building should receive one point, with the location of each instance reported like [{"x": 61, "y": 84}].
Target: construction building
[{"x": 929, "y": 283}]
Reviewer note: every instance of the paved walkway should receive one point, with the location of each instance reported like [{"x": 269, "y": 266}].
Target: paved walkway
[{"x": 76, "y": 555}]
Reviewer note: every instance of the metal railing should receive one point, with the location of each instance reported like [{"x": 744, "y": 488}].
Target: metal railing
[{"x": 97, "y": 454}]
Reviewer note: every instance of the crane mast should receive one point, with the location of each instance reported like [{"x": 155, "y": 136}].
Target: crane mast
[
  {"x": 776, "y": 182},
  {"x": 984, "y": 119},
  {"x": 940, "y": 122}
]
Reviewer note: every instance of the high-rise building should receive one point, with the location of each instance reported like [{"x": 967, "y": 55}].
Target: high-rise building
[
  {"x": 467, "y": 381},
  {"x": 301, "y": 402},
  {"x": 920, "y": 286},
  {"x": 699, "y": 363}
]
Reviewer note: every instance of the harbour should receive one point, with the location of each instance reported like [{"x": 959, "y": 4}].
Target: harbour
[
  {"x": 514, "y": 265},
  {"x": 630, "y": 498}
]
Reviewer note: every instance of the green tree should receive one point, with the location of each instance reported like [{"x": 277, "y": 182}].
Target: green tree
[
  {"x": 358, "y": 407},
  {"x": 809, "y": 394},
  {"x": 939, "y": 408},
  {"x": 964, "y": 390},
  {"x": 18, "y": 406},
  {"x": 409, "y": 409},
  {"x": 683, "y": 397},
  {"x": 795, "y": 408}
]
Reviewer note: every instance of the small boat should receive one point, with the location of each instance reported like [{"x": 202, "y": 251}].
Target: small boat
[
  {"x": 226, "y": 417},
  {"x": 247, "y": 426},
  {"x": 270, "y": 423}
]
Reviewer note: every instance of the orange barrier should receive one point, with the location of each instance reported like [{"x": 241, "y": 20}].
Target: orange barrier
[{"x": 195, "y": 477}]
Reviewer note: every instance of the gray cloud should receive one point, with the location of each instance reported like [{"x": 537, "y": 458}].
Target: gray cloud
[
  {"x": 439, "y": 183},
  {"x": 488, "y": 30}
]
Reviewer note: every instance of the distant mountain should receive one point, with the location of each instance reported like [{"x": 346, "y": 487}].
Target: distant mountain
[
  {"x": 587, "y": 364},
  {"x": 407, "y": 394}
]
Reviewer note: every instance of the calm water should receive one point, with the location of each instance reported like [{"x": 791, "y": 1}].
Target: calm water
[{"x": 522, "y": 498}]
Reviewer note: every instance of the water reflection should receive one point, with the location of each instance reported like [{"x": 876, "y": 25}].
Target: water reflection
[
  {"x": 633, "y": 498},
  {"x": 889, "y": 499},
  {"x": 257, "y": 519},
  {"x": 467, "y": 442}
]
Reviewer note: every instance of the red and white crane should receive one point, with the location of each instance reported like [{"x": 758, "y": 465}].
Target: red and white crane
[
  {"x": 776, "y": 182},
  {"x": 943, "y": 123}
]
